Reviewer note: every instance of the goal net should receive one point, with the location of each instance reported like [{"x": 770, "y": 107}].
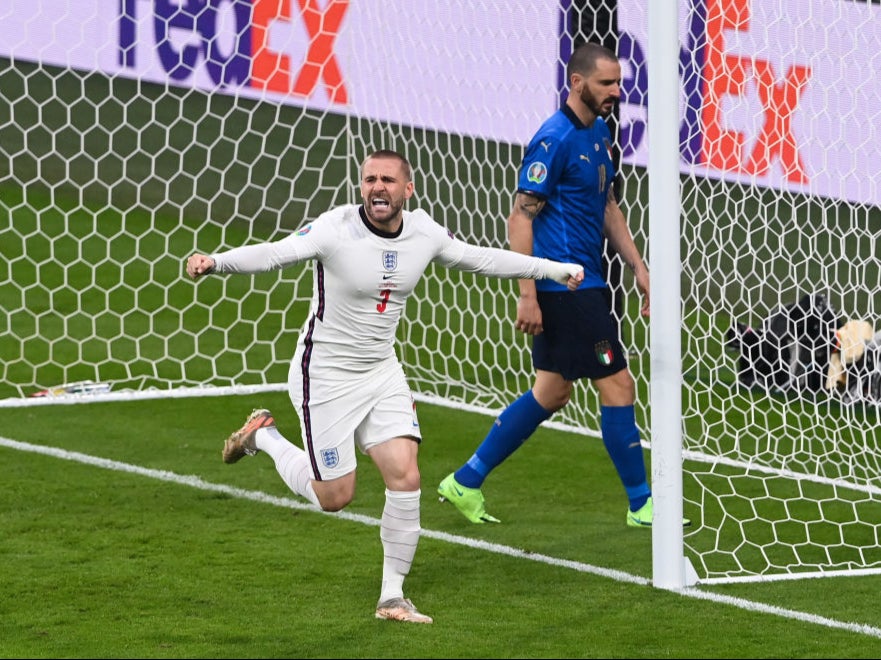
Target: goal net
[{"x": 135, "y": 132}]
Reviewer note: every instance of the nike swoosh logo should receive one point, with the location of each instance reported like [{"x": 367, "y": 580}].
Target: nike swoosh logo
[
  {"x": 387, "y": 277},
  {"x": 458, "y": 492}
]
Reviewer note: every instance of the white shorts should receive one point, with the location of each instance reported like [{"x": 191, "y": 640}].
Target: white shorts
[{"x": 339, "y": 410}]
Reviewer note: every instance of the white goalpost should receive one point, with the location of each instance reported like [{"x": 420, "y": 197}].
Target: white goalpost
[
  {"x": 134, "y": 132},
  {"x": 670, "y": 568}
]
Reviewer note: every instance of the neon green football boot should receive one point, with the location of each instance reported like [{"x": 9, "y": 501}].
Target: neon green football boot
[
  {"x": 643, "y": 517},
  {"x": 469, "y": 501}
]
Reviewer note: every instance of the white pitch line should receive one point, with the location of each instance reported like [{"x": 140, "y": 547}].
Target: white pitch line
[{"x": 285, "y": 502}]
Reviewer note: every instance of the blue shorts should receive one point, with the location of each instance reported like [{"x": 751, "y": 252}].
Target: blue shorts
[{"x": 580, "y": 337}]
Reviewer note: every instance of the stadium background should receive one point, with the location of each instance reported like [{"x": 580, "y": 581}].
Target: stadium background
[{"x": 114, "y": 173}]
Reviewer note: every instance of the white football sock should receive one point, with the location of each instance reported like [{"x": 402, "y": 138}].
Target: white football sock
[
  {"x": 291, "y": 462},
  {"x": 399, "y": 531}
]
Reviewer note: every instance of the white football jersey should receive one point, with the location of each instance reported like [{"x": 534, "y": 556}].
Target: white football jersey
[{"x": 363, "y": 277}]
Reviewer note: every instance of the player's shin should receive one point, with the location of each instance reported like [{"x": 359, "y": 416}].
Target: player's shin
[{"x": 399, "y": 531}]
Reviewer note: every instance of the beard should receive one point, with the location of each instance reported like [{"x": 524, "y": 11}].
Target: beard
[
  {"x": 596, "y": 107},
  {"x": 387, "y": 215}
]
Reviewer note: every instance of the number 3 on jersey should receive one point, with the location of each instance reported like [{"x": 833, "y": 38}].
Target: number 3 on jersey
[{"x": 383, "y": 300}]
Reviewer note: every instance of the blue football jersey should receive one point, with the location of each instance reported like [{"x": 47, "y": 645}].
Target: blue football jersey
[{"x": 570, "y": 167}]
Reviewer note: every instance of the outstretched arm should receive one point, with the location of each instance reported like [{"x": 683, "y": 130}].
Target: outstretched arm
[
  {"x": 517, "y": 262},
  {"x": 508, "y": 264},
  {"x": 258, "y": 258}
]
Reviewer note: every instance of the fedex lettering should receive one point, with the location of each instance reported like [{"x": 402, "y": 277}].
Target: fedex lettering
[
  {"x": 185, "y": 32},
  {"x": 709, "y": 75}
]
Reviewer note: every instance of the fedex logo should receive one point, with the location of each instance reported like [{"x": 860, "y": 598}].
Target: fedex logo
[
  {"x": 711, "y": 76},
  {"x": 187, "y": 34}
]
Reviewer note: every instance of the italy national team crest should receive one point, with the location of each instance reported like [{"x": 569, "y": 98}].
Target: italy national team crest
[
  {"x": 389, "y": 260},
  {"x": 604, "y": 353},
  {"x": 330, "y": 457},
  {"x": 537, "y": 172}
]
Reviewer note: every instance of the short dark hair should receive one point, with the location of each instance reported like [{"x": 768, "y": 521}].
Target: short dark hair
[
  {"x": 584, "y": 58},
  {"x": 388, "y": 153}
]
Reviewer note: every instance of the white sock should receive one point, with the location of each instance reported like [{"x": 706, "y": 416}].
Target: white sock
[
  {"x": 399, "y": 532},
  {"x": 291, "y": 462}
]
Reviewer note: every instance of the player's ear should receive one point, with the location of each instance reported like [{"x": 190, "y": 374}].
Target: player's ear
[{"x": 409, "y": 189}]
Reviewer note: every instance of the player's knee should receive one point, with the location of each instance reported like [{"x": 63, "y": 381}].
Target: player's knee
[
  {"x": 406, "y": 478},
  {"x": 617, "y": 390},
  {"x": 553, "y": 399},
  {"x": 552, "y": 394},
  {"x": 411, "y": 481},
  {"x": 564, "y": 398},
  {"x": 334, "y": 502},
  {"x": 334, "y": 496},
  {"x": 628, "y": 386}
]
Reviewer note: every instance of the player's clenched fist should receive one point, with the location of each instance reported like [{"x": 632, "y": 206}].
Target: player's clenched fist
[{"x": 198, "y": 265}]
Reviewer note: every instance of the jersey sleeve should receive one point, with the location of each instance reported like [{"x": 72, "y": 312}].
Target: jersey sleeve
[
  {"x": 493, "y": 261},
  {"x": 542, "y": 165},
  {"x": 490, "y": 261},
  {"x": 311, "y": 241}
]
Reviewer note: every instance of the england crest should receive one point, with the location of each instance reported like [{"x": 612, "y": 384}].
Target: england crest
[
  {"x": 390, "y": 260},
  {"x": 330, "y": 457}
]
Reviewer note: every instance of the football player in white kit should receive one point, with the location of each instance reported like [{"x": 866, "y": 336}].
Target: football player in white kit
[{"x": 345, "y": 380}]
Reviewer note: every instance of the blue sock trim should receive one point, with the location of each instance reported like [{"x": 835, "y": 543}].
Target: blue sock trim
[
  {"x": 510, "y": 430},
  {"x": 477, "y": 465}
]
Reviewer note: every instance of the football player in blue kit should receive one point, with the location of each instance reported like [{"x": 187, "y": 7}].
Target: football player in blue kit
[{"x": 564, "y": 208}]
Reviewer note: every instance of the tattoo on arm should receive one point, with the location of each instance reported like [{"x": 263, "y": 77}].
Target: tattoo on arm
[{"x": 528, "y": 205}]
